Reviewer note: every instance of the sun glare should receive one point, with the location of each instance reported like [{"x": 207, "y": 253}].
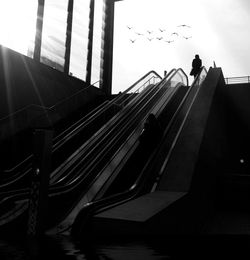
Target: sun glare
[{"x": 17, "y": 24}]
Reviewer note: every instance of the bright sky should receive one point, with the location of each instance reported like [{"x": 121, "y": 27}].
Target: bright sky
[
  {"x": 219, "y": 32},
  {"x": 14, "y": 18}
]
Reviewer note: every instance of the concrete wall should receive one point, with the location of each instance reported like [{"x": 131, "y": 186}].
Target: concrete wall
[
  {"x": 24, "y": 81},
  {"x": 29, "y": 89},
  {"x": 238, "y": 128}
]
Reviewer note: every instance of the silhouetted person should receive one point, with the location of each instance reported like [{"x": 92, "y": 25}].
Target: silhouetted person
[
  {"x": 165, "y": 73},
  {"x": 152, "y": 131},
  {"x": 196, "y": 66}
]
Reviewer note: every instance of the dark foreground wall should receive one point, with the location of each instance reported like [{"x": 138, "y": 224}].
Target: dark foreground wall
[
  {"x": 24, "y": 81},
  {"x": 29, "y": 89}
]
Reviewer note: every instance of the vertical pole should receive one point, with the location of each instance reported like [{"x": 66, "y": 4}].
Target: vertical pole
[
  {"x": 90, "y": 41},
  {"x": 38, "y": 203},
  {"x": 107, "y": 57},
  {"x": 68, "y": 36},
  {"x": 39, "y": 29}
]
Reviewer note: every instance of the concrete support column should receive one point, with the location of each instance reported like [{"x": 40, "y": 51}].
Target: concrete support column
[
  {"x": 107, "y": 54},
  {"x": 90, "y": 41},
  {"x": 68, "y": 36},
  {"x": 38, "y": 202},
  {"x": 39, "y": 29}
]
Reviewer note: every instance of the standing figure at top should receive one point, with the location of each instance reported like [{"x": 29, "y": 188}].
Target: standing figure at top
[{"x": 196, "y": 66}]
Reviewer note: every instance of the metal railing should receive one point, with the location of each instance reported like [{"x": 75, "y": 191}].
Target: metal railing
[
  {"x": 116, "y": 199},
  {"x": 157, "y": 91},
  {"x": 25, "y": 166},
  {"x": 237, "y": 80}
]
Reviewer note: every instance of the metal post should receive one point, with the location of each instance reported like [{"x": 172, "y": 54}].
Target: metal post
[
  {"x": 38, "y": 203},
  {"x": 107, "y": 56},
  {"x": 90, "y": 41},
  {"x": 39, "y": 29},
  {"x": 68, "y": 36}
]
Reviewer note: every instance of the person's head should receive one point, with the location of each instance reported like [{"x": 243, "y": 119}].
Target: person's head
[
  {"x": 151, "y": 119},
  {"x": 151, "y": 116},
  {"x": 197, "y": 56}
]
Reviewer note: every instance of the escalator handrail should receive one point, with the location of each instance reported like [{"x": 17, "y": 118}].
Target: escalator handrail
[
  {"x": 144, "y": 76},
  {"x": 28, "y": 158},
  {"x": 156, "y": 109},
  {"x": 132, "y": 113},
  {"x": 167, "y": 96},
  {"x": 116, "y": 100},
  {"x": 21, "y": 175},
  {"x": 176, "y": 113},
  {"x": 140, "y": 89},
  {"x": 116, "y": 199},
  {"x": 170, "y": 123},
  {"x": 101, "y": 132},
  {"x": 23, "y": 192},
  {"x": 156, "y": 104},
  {"x": 65, "y": 187}
]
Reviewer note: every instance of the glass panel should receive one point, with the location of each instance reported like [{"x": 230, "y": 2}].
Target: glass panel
[
  {"x": 200, "y": 78},
  {"x": 97, "y": 41},
  {"x": 54, "y": 33},
  {"x": 18, "y": 25},
  {"x": 79, "y": 41}
]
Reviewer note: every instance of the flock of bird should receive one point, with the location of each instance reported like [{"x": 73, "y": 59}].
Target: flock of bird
[{"x": 160, "y": 34}]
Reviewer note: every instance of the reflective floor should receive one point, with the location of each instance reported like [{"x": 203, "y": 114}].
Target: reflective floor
[{"x": 62, "y": 247}]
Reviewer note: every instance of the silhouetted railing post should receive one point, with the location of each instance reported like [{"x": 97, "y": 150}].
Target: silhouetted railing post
[
  {"x": 39, "y": 29},
  {"x": 38, "y": 203},
  {"x": 68, "y": 36},
  {"x": 107, "y": 51},
  {"x": 90, "y": 41}
]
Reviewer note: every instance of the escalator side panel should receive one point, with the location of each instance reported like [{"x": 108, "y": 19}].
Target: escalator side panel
[
  {"x": 140, "y": 156},
  {"x": 178, "y": 174}
]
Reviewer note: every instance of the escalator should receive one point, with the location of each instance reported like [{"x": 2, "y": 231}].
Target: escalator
[
  {"x": 17, "y": 146},
  {"x": 125, "y": 191},
  {"x": 168, "y": 189},
  {"x": 113, "y": 169},
  {"x": 129, "y": 173},
  {"x": 23, "y": 193},
  {"x": 69, "y": 140}
]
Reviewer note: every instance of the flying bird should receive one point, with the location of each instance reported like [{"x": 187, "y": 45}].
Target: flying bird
[
  {"x": 149, "y": 31},
  {"x": 159, "y": 38},
  {"x": 187, "y": 37},
  {"x": 132, "y": 40},
  {"x": 129, "y": 27},
  {"x": 162, "y": 30},
  {"x": 169, "y": 41},
  {"x": 150, "y": 39},
  {"x": 140, "y": 34},
  {"x": 184, "y": 25},
  {"x": 175, "y": 33}
]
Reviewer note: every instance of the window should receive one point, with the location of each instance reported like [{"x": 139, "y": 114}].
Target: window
[
  {"x": 54, "y": 33},
  {"x": 18, "y": 25}
]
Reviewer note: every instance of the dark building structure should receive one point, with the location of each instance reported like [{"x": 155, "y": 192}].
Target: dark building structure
[
  {"x": 72, "y": 49},
  {"x": 99, "y": 40},
  {"x": 76, "y": 37},
  {"x": 105, "y": 182}
]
